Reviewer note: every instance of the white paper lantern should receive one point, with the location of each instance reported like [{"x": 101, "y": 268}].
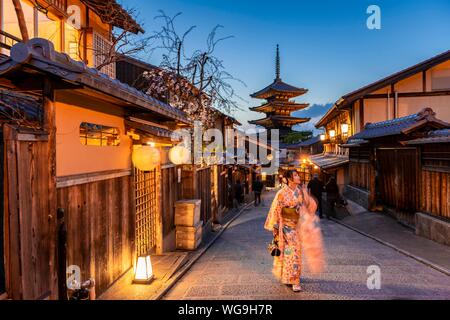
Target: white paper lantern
[
  {"x": 146, "y": 158},
  {"x": 179, "y": 155}
]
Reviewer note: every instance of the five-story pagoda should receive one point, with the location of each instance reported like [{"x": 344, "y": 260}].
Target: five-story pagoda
[{"x": 278, "y": 106}]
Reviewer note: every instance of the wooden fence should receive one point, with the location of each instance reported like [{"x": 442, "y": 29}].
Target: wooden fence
[
  {"x": 435, "y": 193},
  {"x": 360, "y": 174},
  {"x": 100, "y": 228}
]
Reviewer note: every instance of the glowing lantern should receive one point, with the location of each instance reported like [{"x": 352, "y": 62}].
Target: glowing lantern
[
  {"x": 316, "y": 167},
  {"x": 179, "y": 155},
  {"x": 323, "y": 137},
  {"x": 143, "y": 273},
  {"x": 332, "y": 134},
  {"x": 344, "y": 128},
  {"x": 270, "y": 157},
  {"x": 146, "y": 158}
]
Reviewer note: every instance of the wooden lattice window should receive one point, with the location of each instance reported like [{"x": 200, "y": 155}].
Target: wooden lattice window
[
  {"x": 102, "y": 48},
  {"x": 99, "y": 135},
  {"x": 146, "y": 210}
]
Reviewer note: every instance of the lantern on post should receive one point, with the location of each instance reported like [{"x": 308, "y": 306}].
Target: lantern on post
[
  {"x": 146, "y": 158},
  {"x": 143, "y": 273}
]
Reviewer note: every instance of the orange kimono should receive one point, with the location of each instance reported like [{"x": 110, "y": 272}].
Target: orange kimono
[{"x": 295, "y": 237}]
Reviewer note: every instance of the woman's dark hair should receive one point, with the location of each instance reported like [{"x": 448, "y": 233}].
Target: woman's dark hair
[{"x": 290, "y": 174}]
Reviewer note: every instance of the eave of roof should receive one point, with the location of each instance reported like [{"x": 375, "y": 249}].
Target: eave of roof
[
  {"x": 41, "y": 55},
  {"x": 147, "y": 129},
  {"x": 279, "y": 87},
  {"x": 403, "y": 74},
  {"x": 329, "y": 161},
  {"x": 274, "y": 105},
  {"x": 332, "y": 112},
  {"x": 277, "y": 119},
  {"x": 122, "y": 19},
  {"x": 403, "y": 125},
  {"x": 437, "y": 136}
]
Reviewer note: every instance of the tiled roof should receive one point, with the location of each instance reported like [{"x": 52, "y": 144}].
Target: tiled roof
[
  {"x": 20, "y": 107},
  {"x": 399, "y": 125},
  {"x": 329, "y": 161},
  {"x": 281, "y": 87},
  {"x": 305, "y": 143},
  {"x": 437, "y": 136},
  {"x": 121, "y": 17},
  {"x": 41, "y": 55}
]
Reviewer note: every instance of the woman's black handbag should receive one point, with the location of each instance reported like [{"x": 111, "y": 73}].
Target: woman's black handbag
[{"x": 273, "y": 249}]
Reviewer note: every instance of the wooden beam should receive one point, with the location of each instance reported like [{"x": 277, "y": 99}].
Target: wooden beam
[
  {"x": 73, "y": 180},
  {"x": 410, "y": 94},
  {"x": 424, "y": 81},
  {"x": 49, "y": 125},
  {"x": 361, "y": 115}
]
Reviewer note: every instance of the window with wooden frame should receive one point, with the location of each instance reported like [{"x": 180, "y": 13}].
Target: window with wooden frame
[{"x": 99, "y": 135}]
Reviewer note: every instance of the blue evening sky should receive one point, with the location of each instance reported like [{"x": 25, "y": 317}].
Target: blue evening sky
[{"x": 325, "y": 45}]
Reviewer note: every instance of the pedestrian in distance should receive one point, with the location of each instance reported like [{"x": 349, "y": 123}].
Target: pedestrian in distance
[
  {"x": 332, "y": 191},
  {"x": 316, "y": 187},
  {"x": 258, "y": 187}
]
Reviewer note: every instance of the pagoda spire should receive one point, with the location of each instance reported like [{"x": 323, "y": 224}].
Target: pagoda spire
[{"x": 277, "y": 63}]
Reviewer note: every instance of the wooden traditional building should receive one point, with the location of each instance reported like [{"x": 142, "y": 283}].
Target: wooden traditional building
[
  {"x": 401, "y": 165},
  {"x": 433, "y": 217},
  {"x": 89, "y": 40},
  {"x": 426, "y": 84},
  {"x": 68, "y": 150}
]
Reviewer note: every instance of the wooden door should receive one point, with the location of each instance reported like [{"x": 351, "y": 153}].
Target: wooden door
[
  {"x": 30, "y": 193},
  {"x": 397, "y": 181}
]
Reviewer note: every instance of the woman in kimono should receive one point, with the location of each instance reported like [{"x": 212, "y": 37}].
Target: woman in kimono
[{"x": 292, "y": 219}]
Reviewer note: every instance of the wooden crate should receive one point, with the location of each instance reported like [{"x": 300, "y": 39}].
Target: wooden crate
[
  {"x": 189, "y": 238},
  {"x": 187, "y": 212}
]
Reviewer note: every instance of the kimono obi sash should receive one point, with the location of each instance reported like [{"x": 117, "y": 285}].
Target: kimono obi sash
[{"x": 290, "y": 216}]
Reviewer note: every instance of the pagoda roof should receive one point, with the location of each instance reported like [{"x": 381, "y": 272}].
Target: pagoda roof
[
  {"x": 279, "y": 87},
  {"x": 279, "y": 121},
  {"x": 276, "y": 105}
]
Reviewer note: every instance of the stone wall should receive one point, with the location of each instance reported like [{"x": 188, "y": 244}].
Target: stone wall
[
  {"x": 357, "y": 195},
  {"x": 433, "y": 228}
]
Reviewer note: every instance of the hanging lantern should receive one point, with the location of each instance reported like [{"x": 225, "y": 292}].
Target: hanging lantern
[
  {"x": 143, "y": 273},
  {"x": 332, "y": 134},
  {"x": 270, "y": 157},
  {"x": 323, "y": 137},
  {"x": 179, "y": 155},
  {"x": 344, "y": 128},
  {"x": 146, "y": 158}
]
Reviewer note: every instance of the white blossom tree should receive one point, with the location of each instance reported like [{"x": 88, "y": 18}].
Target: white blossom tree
[{"x": 195, "y": 83}]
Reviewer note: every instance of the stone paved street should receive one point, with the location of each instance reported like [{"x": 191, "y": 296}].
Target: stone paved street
[{"x": 238, "y": 266}]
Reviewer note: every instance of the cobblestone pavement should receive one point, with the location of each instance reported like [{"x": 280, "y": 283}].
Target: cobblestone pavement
[{"x": 238, "y": 266}]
